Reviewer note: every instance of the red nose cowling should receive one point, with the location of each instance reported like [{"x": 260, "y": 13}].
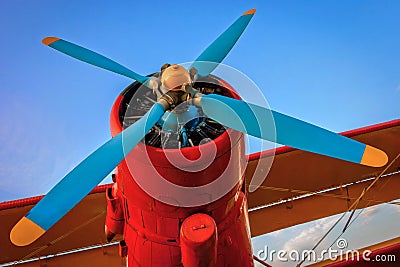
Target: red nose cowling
[{"x": 159, "y": 234}]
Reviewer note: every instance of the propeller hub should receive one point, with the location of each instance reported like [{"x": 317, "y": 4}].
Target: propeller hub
[{"x": 174, "y": 77}]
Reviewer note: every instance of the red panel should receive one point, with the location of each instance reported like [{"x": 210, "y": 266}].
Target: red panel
[
  {"x": 168, "y": 227},
  {"x": 115, "y": 215},
  {"x": 160, "y": 255}
]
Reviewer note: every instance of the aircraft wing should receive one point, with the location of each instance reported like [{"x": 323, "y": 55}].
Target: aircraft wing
[
  {"x": 275, "y": 205},
  {"x": 295, "y": 174},
  {"x": 82, "y": 227}
]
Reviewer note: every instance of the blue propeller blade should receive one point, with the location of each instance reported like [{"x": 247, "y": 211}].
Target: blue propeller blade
[
  {"x": 279, "y": 128},
  {"x": 219, "y": 49},
  {"x": 91, "y": 57},
  {"x": 81, "y": 180}
]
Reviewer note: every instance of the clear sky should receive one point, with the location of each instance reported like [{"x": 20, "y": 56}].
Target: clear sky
[{"x": 333, "y": 63}]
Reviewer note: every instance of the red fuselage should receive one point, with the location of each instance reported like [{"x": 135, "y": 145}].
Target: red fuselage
[{"x": 159, "y": 233}]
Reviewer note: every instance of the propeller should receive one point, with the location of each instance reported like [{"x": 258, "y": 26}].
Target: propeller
[
  {"x": 85, "y": 176},
  {"x": 81, "y": 180},
  {"x": 261, "y": 122},
  {"x": 236, "y": 114},
  {"x": 219, "y": 49},
  {"x": 91, "y": 57},
  {"x": 205, "y": 63}
]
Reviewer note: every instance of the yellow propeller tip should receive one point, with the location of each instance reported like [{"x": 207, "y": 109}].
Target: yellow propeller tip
[
  {"x": 50, "y": 40},
  {"x": 249, "y": 12},
  {"x": 25, "y": 232},
  {"x": 374, "y": 157}
]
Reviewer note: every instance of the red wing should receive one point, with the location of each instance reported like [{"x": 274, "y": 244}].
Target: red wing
[{"x": 295, "y": 173}]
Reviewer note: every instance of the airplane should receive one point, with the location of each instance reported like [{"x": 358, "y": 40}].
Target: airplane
[{"x": 172, "y": 204}]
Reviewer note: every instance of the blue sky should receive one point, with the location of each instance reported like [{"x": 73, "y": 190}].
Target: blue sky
[{"x": 332, "y": 63}]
